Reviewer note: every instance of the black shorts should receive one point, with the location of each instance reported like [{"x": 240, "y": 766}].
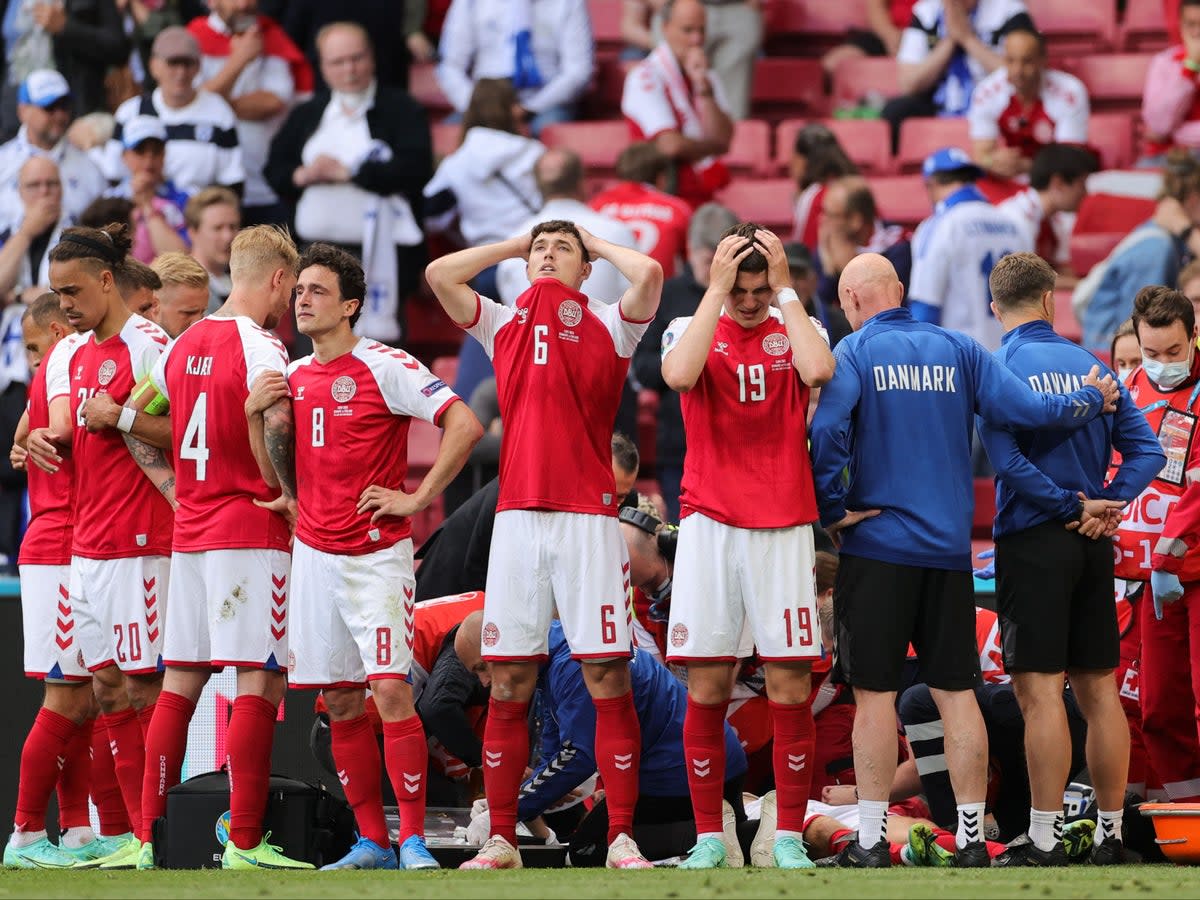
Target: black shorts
[
  {"x": 866, "y": 41},
  {"x": 880, "y": 607},
  {"x": 1054, "y": 595}
]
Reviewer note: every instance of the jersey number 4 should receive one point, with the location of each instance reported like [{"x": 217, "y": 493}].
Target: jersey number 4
[{"x": 195, "y": 437}]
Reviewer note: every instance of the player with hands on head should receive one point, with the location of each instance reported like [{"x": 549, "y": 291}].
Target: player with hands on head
[
  {"x": 561, "y": 359},
  {"x": 351, "y": 615},
  {"x": 744, "y": 577}
]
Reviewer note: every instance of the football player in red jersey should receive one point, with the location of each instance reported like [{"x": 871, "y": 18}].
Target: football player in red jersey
[
  {"x": 561, "y": 359},
  {"x": 745, "y": 565},
  {"x": 352, "y": 596}
]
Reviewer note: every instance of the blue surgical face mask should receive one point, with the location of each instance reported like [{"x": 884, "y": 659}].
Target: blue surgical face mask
[
  {"x": 1168, "y": 376},
  {"x": 1123, "y": 375}
]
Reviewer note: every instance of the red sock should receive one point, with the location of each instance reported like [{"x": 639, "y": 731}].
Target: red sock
[
  {"x": 356, "y": 756},
  {"x": 74, "y": 778},
  {"x": 145, "y": 716},
  {"x": 251, "y": 734},
  {"x": 792, "y": 755},
  {"x": 505, "y": 754},
  {"x": 166, "y": 743},
  {"x": 46, "y": 743},
  {"x": 618, "y": 757},
  {"x": 129, "y": 760},
  {"x": 946, "y": 840},
  {"x": 839, "y": 839},
  {"x": 407, "y": 755},
  {"x": 704, "y": 756},
  {"x": 106, "y": 790}
]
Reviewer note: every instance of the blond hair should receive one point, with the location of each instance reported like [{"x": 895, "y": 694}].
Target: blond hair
[
  {"x": 214, "y": 195},
  {"x": 176, "y": 267},
  {"x": 260, "y": 250}
]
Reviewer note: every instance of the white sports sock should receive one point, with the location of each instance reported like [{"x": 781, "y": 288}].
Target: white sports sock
[
  {"x": 1109, "y": 825},
  {"x": 970, "y": 824},
  {"x": 719, "y": 835},
  {"x": 25, "y": 838},
  {"x": 872, "y": 816},
  {"x": 74, "y": 838},
  {"x": 1045, "y": 828}
]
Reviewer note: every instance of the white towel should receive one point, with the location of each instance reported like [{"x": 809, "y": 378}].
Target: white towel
[{"x": 387, "y": 222}]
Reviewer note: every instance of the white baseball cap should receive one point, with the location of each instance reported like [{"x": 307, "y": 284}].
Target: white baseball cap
[
  {"x": 142, "y": 128},
  {"x": 42, "y": 87}
]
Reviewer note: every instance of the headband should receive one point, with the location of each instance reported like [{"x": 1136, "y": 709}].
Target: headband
[{"x": 106, "y": 252}]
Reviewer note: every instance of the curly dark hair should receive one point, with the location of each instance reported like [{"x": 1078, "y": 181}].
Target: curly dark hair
[{"x": 352, "y": 282}]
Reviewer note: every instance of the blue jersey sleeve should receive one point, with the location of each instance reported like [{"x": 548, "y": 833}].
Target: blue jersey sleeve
[
  {"x": 568, "y": 743},
  {"x": 830, "y": 435},
  {"x": 1142, "y": 456},
  {"x": 1004, "y": 400},
  {"x": 1017, "y": 472}
]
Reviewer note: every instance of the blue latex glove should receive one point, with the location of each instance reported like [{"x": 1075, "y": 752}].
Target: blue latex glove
[
  {"x": 1166, "y": 589},
  {"x": 988, "y": 572}
]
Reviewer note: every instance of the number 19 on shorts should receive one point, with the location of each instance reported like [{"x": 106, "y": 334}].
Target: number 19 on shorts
[{"x": 797, "y": 627}]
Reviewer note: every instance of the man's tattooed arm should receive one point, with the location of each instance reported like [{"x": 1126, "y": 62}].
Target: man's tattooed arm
[
  {"x": 154, "y": 464},
  {"x": 279, "y": 435}
]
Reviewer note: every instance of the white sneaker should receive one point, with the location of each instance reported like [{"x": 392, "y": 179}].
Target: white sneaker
[
  {"x": 496, "y": 853},
  {"x": 623, "y": 853},
  {"x": 762, "y": 849},
  {"x": 734, "y": 859}
]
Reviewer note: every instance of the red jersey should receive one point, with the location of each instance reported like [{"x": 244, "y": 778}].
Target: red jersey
[
  {"x": 118, "y": 512},
  {"x": 747, "y": 463},
  {"x": 352, "y": 417},
  {"x": 432, "y": 621},
  {"x": 561, "y": 361},
  {"x": 47, "y": 540},
  {"x": 987, "y": 639},
  {"x": 659, "y": 221},
  {"x": 1059, "y": 114},
  {"x": 1161, "y": 528},
  {"x": 206, "y": 374}
]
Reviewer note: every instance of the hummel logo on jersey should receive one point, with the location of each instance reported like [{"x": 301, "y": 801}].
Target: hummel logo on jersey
[
  {"x": 412, "y": 782},
  {"x": 796, "y": 761},
  {"x": 299, "y": 393},
  {"x": 722, "y": 347},
  {"x": 493, "y": 759},
  {"x": 112, "y": 746},
  {"x": 343, "y": 777},
  {"x": 701, "y": 767},
  {"x": 62, "y": 761},
  {"x": 623, "y": 761}
]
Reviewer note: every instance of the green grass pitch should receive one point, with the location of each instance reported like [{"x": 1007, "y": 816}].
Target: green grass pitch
[{"x": 1129, "y": 882}]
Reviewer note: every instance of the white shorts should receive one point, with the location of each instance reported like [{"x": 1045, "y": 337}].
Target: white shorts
[
  {"x": 119, "y": 607},
  {"x": 229, "y": 608},
  {"x": 541, "y": 560},
  {"x": 351, "y": 617},
  {"x": 738, "y": 587},
  {"x": 48, "y": 625}
]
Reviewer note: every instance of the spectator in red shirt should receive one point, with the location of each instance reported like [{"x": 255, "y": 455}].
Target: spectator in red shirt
[
  {"x": 1170, "y": 103},
  {"x": 659, "y": 221}
]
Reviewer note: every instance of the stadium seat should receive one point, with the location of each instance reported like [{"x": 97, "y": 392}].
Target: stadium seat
[
  {"x": 867, "y": 142},
  {"x": 423, "y": 440},
  {"x": 606, "y": 26},
  {"x": 423, "y": 85},
  {"x": 1065, "y": 322},
  {"x": 1112, "y": 212},
  {"x": 647, "y": 427},
  {"x": 429, "y": 332},
  {"x": 445, "y": 368},
  {"x": 901, "y": 198},
  {"x": 603, "y": 100},
  {"x": 1072, "y": 27},
  {"x": 857, "y": 79},
  {"x": 750, "y": 150},
  {"x": 1114, "y": 80},
  {"x": 767, "y": 201},
  {"x": 985, "y": 511},
  {"x": 788, "y": 87},
  {"x": 1112, "y": 134},
  {"x": 597, "y": 143},
  {"x": 445, "y": 138},
  {"x": 921, "y": 136},
  {"x": 810, "y": 27},
  {"x": 1143, "y": 28}
]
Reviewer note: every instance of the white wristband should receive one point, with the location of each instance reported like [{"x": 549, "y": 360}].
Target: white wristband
[
  {"x": 125, "y": 422},
  {"x": 787, "y": 295}
]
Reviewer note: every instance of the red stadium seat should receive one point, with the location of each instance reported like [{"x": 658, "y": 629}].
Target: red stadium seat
[
  {"x": 750, "y": 149},
  {"x": 985, "y": 510},
  {"x": 1114, "y": 81},
  {"x": 1102, "y": 221},
  {"x": 901, "y": 198},
  {"x": 788, "y": 87},
  {"x": 1065, "y": 322},
  {"x": 767, "y": 201},
  {"x": 1088, "y": 249},
  {"x": 606, "y": 25},
  {"x": 921, "y": 136},
  {"x": 423, "y": 440},
  {"x": 423, "y": 85},
  {"x": 445, "y": 368},
  {"x": 1112, "y": 134},
  {"x": 1072, "y": 27},
  {"x": 867, "y": 142},
  {"x": 429, "y": 332},
  {"x": 856, "y": 79},
  {"x": 810, "y": 27},
  {"x": 1143, "y": 28},
  {"x": 445, "y": 138},
  {"x": 597, "y": 143},
  {"x": 603, "y": 100}
]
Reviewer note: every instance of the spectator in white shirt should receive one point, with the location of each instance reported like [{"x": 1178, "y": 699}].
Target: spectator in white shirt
[
  {"x": 25, "y": 242},
  {"x": 250, "y": 61},
  {"x": 543, "y": 46},
  {"x": 1024, "y": 106},
  {"x": 202, "y": 138},
  {"x": 213, "y": 221},
  {"x": 44, "y": 109}
]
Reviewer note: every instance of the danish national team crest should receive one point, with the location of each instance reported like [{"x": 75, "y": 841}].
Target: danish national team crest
[
  {"x": 776, "y": 344},
  {"x": 344, "y": 389},
  {"x": 570, "y": 313},
  {"x": 491, "y": 635},
  {"x": 679, "y": 635},
  {"x": 107, "y": 370}
]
